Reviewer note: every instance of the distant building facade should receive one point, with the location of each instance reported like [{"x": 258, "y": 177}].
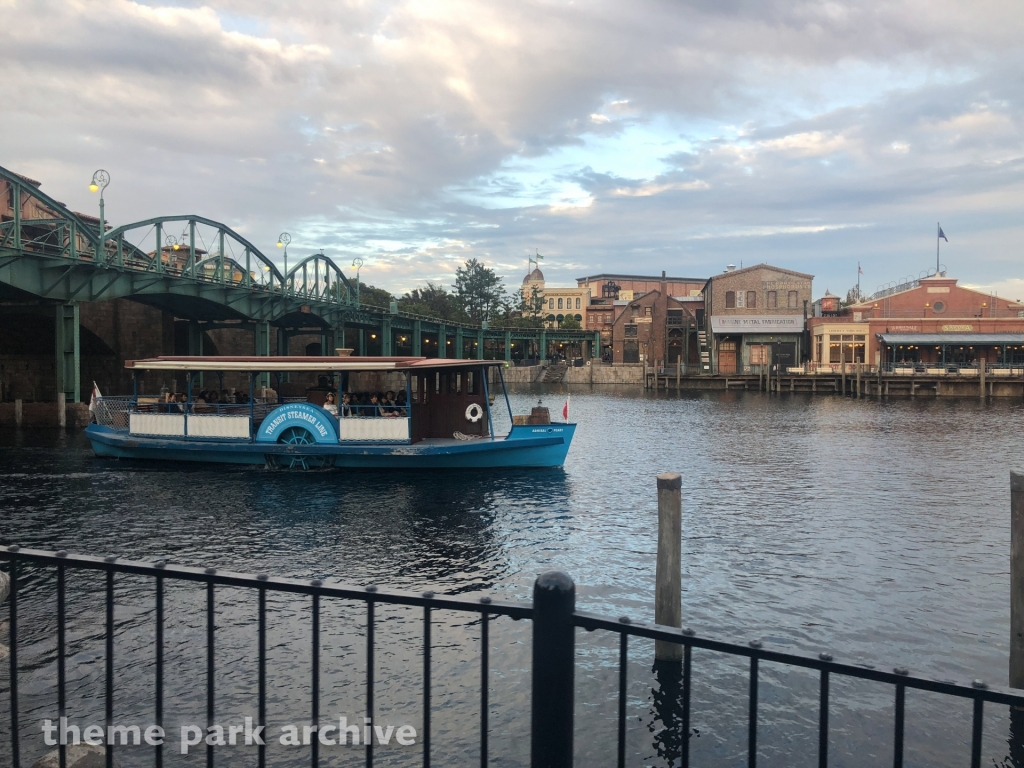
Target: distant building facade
[
  {"x": 558, "y": 303},
  {"x": 654, "y": 329},
  {"x": 756, "y": 317},
  {"x": 931, "y": 321}
]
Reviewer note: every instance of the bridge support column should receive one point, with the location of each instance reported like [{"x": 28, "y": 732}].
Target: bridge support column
[
  {"x": 361, "y": 342},
  {"x": 543, "y": 351},
  {"x": 459, "y": 343},
  {"x": 442, "y": 341},
  {"x": 508, "y": 346},
  {"x": 282, "y": 342},
  {"x": 480, "y": 344},
  {"x": 417, "y": 338},
  {"x": 68, "y": 349},
  {"x": 386, "y": 338}
]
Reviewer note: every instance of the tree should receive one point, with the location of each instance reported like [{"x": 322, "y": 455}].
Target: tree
[
  {"x": 570, "y": 323},
  {"x": 479, "y": 292},
  {"x": 433, "y": 301},
  {"x": 375, "y": 297},
  {"x": 853, "y": 296}
]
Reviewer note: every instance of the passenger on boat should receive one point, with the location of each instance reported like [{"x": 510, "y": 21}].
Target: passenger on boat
[
  {"x": 331, "y": 404},
  {"x": 347, "y": 411},
  {"x": 376, "y": 408},
  {"x": 401, "y": 405},
  {"x": 389, "y": 404}
]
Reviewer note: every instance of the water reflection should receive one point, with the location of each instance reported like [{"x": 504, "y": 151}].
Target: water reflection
[{"x": 873, "y": 530}]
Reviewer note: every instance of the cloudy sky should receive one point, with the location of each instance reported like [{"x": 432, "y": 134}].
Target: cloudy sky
[{"x": 611, "y": 136}]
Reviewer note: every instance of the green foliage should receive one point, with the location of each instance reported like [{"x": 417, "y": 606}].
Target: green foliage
[
  {"x": 570, "y": 323},
  {"x": 853, "y": 296},
  {"x": 375, "y": 297},
  {"x": 480, "y": 292},
  {"x": 432, "y": 301}
]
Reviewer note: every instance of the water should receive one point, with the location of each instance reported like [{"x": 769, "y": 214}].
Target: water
[{"x": 876, "y": 531}]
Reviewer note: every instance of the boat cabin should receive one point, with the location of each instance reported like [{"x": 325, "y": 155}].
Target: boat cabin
[{"x": 353, "y": 400}]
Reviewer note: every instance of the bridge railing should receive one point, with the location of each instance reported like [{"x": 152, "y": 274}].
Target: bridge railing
[{"x": 554, "y": 617}]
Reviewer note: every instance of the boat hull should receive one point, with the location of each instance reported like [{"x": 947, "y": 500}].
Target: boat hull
[{"x": 525, "y": 446}]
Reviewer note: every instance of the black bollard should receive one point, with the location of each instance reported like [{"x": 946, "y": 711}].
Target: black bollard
[{"x": 554, "y": 601}]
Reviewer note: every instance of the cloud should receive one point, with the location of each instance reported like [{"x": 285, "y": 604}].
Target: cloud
[{"x": 643, "y": 136}]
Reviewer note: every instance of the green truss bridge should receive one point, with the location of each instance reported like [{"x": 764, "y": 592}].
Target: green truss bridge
[{"x": 53, "y": 261}]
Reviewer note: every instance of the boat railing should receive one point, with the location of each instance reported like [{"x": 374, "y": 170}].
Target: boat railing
[{"x": 113, "y": 412}]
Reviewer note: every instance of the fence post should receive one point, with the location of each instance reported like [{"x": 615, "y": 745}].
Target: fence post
[
  {"x": 668, "y": 609},
  {"x": 1016, "y": 580},
  {"x": 62, "y": 411},
  {"x": 554, "y": 639}
]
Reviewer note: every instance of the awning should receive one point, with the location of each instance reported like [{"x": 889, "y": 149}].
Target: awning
[
  {"x": 959, "y": 339},
  {"x": 298, "y": 364}
]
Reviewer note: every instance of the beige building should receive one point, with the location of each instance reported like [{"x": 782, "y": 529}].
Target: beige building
[{"x": 559, "y": 303}]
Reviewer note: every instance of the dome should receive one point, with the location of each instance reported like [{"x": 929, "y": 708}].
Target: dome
[{"x": 535, "y": 275}]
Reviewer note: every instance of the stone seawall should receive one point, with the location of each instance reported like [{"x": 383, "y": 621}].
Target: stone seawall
[
  {"x": 587, "y": 374},
  {"x": 44, "y": 415}
]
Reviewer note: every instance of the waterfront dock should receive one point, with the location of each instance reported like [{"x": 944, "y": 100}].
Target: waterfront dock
[{"x": 857, "y": 381}]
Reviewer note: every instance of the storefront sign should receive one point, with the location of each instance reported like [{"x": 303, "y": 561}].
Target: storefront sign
[
  {"x": 757, "y": 324},
  {"x": 957, "y": 328},
  {"x": 902, "y": 329}
]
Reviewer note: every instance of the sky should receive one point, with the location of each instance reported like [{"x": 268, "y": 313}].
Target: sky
[{"x": 611, "y": 137}]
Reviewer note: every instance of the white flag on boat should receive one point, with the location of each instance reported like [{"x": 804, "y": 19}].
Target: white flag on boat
[{"x": 92, "y": 399}]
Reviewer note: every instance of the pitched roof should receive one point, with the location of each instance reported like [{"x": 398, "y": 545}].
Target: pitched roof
[{"x": 763, "y": 266}]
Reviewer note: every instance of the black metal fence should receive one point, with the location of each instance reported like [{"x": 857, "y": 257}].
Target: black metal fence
[{"x": 555, "y": 621}]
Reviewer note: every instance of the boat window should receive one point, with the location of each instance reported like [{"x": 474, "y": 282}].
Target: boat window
[
  {"x": 470, "y": 383},
  {"x": 452, "y": 384},
  {"x": 437, "y": 383},
  {"x": 414, "y": 384},
  {"x": 458, "y": 384}
]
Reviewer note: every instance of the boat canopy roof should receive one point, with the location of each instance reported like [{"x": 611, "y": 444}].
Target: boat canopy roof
[{"x": 296, "y": 364}]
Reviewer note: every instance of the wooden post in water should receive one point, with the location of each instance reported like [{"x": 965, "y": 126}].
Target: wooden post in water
[
  {"x": 1016, "y": 580},
  {"x": 679, "y": 373},
  {"x": 842, "y": 365},
  {"x": 62, "y": 411},
  {"x": 17, "y": 413},
  {"x": 981, "y": 378},
  {"x": 668, "y": 595},
  {"x": 859, "y": 366}
]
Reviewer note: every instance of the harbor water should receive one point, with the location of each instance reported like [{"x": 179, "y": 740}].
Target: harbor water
[{"x": 875, "y": 531}]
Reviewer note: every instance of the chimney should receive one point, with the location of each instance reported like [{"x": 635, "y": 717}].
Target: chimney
[{"x": 730, "y": 267}]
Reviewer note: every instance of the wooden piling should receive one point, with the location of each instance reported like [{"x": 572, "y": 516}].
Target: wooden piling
[
  {"x": 62, "y": 411},
  {"x": 859, "y": 366},
  {"x": 679, "y": 373},
  {"x": 981, "y": 377},
  {"x": 668, "y": 607},
  {"x": 1016, "y": 580},
  {"x": 17, "y": 412}
]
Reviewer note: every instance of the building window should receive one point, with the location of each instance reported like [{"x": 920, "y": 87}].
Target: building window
[
  {"x": 647, "y": 311},
  {"x": 939, "y": 306},
  {"x": 551, "y": 303},
  {"x": 579, "y": 318},
  {"x": 559, "y": 303},
  {"x": 577, "y": 302},
  {"x": 758, "y": 354},
  {"x": 730, "y": 299},
  {"x": 635, "y": 310},
  {"x": 773, "y": 300},
  {"x": 631, "y": 331},
  {"x": 792, "y": 301},
  {"x": 751, "y": 299}
]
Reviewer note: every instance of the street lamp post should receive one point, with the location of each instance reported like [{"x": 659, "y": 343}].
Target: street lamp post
[
  {"x": 100, "y": 180},
  {"x": 282, "y": 242},
  {"x": 358, "y": 264}
]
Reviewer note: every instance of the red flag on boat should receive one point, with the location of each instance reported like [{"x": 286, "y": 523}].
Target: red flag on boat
[{"x": 565, "y": 409}]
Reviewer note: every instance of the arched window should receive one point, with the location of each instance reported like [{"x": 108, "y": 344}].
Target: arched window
[
  {"x": 751, "y": 299},
  {"x": 579, "y": 318},
  {"x": 730, "y": 299},
  {"x": 551, "y": 303},
  {"x": 559, "y": 303},
  {"x": 577, "y": 304},
  {"x": 560, "y": 318},
  {"x": 550, "y": 318}
]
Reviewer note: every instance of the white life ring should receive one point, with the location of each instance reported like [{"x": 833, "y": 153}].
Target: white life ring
[{"x": 474, "y": 412}]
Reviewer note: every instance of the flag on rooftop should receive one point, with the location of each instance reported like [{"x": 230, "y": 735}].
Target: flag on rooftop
[{"x": 943, "y": 234}]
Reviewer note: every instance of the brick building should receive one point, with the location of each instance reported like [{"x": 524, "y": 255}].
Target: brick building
[
  {"x": 932, "y": 320},
  {"x": 757, "y": 317},
  {"x": 654, "y": 328}
]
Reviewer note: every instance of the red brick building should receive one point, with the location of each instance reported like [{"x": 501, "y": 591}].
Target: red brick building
[
  {"x": 932, "y": 320},
  {"x": 654, "y": 328}
]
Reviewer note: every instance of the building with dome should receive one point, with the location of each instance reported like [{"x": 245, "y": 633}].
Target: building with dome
[{"x": 558, "y": 303}]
